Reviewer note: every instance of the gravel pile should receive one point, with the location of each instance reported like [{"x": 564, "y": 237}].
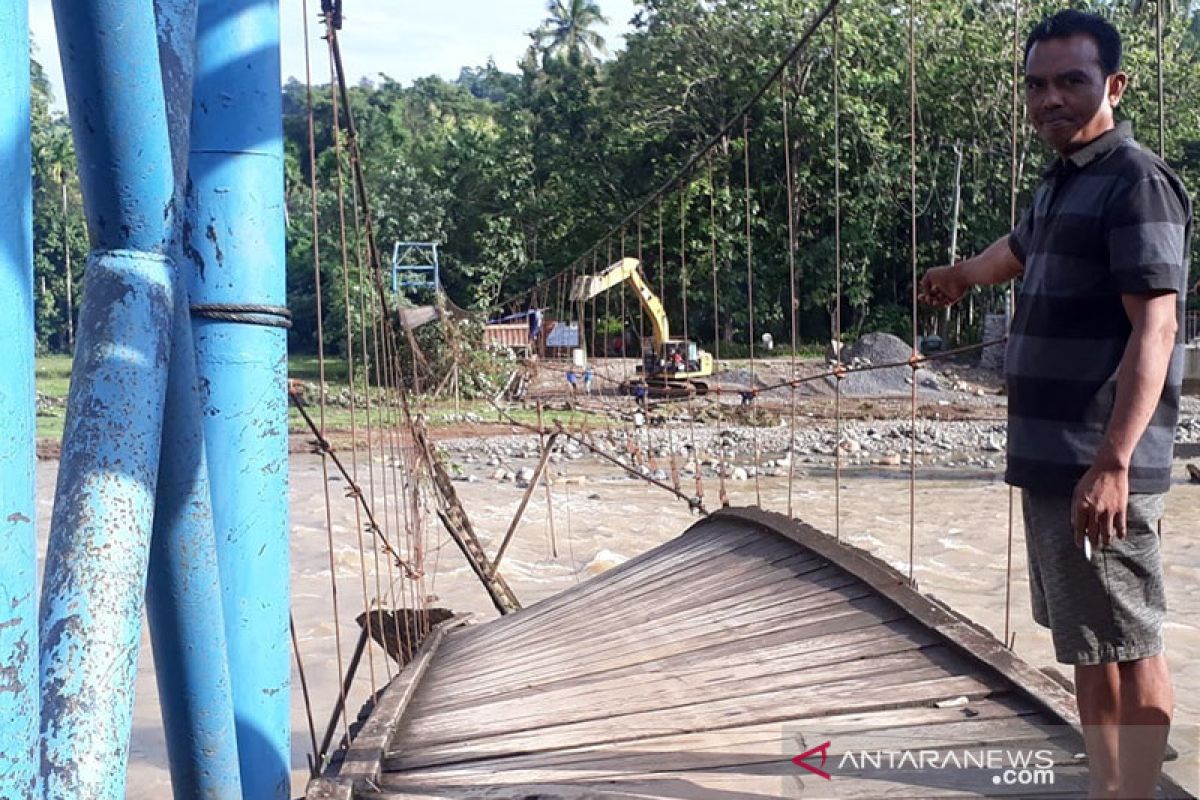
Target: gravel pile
[{"x": 883, "y": 348}]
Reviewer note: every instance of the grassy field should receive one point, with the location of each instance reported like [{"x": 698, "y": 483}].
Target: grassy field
[{"x": 53, "y": 377}]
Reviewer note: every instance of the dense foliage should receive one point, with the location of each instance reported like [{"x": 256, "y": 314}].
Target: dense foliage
[{"x": 519, "y": 175}]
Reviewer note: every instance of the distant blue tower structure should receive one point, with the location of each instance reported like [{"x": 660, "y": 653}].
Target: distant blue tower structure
[{"x": 415, "y": 265}]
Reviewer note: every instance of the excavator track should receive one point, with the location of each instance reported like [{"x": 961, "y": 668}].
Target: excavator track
[{"x": 661, "y": 389}]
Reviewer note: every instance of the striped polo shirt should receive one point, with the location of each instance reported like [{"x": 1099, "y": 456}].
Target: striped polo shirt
[{"x": 1111, "y": 219}]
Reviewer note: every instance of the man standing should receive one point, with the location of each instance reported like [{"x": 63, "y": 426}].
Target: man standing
[{"x": 1094, "y": 371}]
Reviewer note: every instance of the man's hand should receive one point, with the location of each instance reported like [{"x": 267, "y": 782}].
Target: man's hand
[
  {"x": 943, "y": 286},
  {"x": 1098, "y": 507}
]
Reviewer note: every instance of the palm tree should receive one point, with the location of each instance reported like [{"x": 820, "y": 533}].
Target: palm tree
[{"x": 568, "y": 31}]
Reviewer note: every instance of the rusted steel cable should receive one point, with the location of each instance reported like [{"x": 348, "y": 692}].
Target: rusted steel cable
[
  {"x": 353, "y": 490},
  {"x": 350, "y": 362},
  {"x": 314, "y": 760},
  {"x": 316, "y": 269},
  {"x": 750, "y": 291},
  {"x": 694, "y": 503},
  {"x": 794, "y": 304},
  {"x": 246, "y": 314},
  {"x": 912, "y": 186},
  {"x": 837, "y": 266}
]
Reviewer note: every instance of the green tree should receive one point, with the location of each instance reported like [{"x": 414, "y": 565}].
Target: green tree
[
  {"x": 59, "y": 232},
  {"x": 568, "y": 31}
]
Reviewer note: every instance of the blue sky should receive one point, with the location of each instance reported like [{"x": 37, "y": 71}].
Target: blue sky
[{"x": 405, "y": 39}]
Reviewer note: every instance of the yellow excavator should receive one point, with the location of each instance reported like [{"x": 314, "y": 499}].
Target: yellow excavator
[{"x": 670, "y": 368}]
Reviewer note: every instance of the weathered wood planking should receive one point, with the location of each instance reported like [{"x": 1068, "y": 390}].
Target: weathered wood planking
[
  {"x": 693, "y": 561},
  {"x": 723, "y": 579},
  {"x": 699, "y": 655},
  {"x": 894, "y": 690},
  {"x": 611, "y": 700},
  {"x": 681, "y": 673},
  {"x": 934, "y": 727},
  {"x": 362, "y": 762},
  {"x": 833, "y": 591},
  {"x": 599, "y": 618},
  {"x": 825, "y": 623},
  {"x": 763, "y": 782}
]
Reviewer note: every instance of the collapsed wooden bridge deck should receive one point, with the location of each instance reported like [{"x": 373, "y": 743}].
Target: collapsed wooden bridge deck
[{"x": 698, "y": 670}]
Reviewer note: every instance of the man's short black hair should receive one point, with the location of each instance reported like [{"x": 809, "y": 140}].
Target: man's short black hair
[{"x": 1070, "y": 23}]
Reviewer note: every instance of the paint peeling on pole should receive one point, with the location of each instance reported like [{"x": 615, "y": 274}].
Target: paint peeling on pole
[
  {"x": 183, "y": 592},
  {"x": 18, "y": 533},
  {"x": 95, "y": 574},
  {"x": 91, "y": 612},
  {"x": 235, "y": 245}
]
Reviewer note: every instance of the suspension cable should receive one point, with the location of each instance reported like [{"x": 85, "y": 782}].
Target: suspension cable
[
  {"x": 912, "y": 141},
  {"x": 322, "y": 389},
  {"x": 837, "y": 261},
  {"x": 793, "y": 305},
  {"x": 1012, "y": 224},
  {"x": 348, "y": 320},
  {"x": 753, "y": 391}
]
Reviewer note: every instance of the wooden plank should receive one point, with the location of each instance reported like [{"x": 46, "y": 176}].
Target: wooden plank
[
  {"x": 722, "y": 578},
  {"x": 819, "y": 625},
  {"x": 504, "y": 664},
  {"x": 994, "y": 722},
  {"x": 971, "y": 639},
  {"x": 747, "y": 757},
  {"x": 623, "y": 648},
  {"x": 701, "y": 654},
  {"x": 456, "y": 522},
  {"x": 993, "y": 707},
  {"x": 648, "y": 608},
  {"x": 677, "y": 560},
  {"x": 690, "y": 549},
  {"x": 784, "y": 706},
  {"x": 668, "y": 691},
  {"x": 363, "y": 759},
  {"x": 617, "y": 696},
  {"x": 872, "y": 692},
  {"x": 813, "y": 629},
  {"x": 770, "y": 782}
]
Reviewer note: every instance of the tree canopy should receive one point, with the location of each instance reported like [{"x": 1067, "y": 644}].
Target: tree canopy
[{"x": 519, "y": 175}]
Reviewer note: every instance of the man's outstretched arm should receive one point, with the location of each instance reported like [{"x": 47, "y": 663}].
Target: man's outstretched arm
[{"x": 944, "y": 286}]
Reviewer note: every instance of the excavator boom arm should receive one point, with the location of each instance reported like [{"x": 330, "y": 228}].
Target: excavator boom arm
[{"x": 627, "y": 269}]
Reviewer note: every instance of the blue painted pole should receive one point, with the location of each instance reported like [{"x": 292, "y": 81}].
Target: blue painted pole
[
  {"x": 183, "y": 598},
  {"x": 95, "y": 573},
  {"x": 18, "y": 534},
  {"x": 235, "y": 240},
  {"x": 183, "y": 591}
]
